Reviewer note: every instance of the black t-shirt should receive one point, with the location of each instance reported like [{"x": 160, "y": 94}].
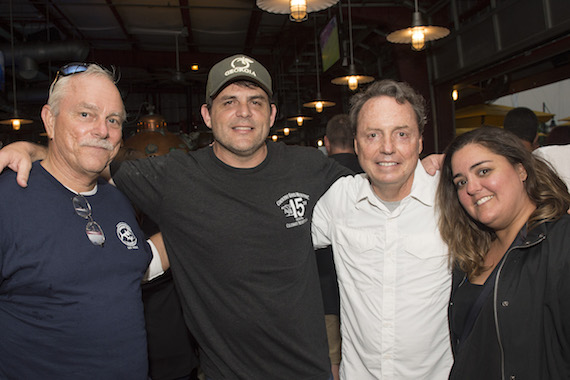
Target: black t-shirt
[
  {"x": 241, "y": 254},
  {"x": 478, "y": 355}
]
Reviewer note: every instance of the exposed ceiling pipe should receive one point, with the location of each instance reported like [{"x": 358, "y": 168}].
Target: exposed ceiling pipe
[{"x": 28, "y": 55}]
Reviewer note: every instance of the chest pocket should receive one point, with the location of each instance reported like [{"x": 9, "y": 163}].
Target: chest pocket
[
  {"x": 358, "y": 258},
  {"x": 425, "y": 246}
]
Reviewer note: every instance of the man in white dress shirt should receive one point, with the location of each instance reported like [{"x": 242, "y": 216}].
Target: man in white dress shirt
[{"x": 391, "y": 263}]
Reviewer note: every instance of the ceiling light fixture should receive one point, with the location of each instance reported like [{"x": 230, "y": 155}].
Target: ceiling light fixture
[
  {"x": 298, "y": 10},
  {"x": 352, "y": 79},
  {"x": 318, "y": 103},
  {"x": 15, "y": 121},
  {"x": 417, "y": 34},
  {"x": 299, "y": 118}
]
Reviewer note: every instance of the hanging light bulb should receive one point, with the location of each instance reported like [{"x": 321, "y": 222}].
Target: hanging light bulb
[
  {"x": 298, "y": 10},
  {"x": 353, "y": 82},
  {"x": 418, "y": 38},
  {"x": 319, "y": 107},
  {"x": 14, "y": 121},
  {"x": 286, "y": 131},
  {"x": 418, "y": 33},
  {"x": 274, "y": 137},
  {"x": 299, "y": 118},
  {"x": 352, "y": 79},
  {"x": 318, "y": 103}
]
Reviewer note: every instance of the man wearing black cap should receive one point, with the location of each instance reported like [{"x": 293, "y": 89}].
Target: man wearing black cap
[{"x": 236, "y": 219}]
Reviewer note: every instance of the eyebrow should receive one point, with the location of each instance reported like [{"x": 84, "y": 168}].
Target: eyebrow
[
  {"x": 472, "y": 167},
  {"x": 252, "y": 97},
  {"x": 90, "y": 106},
  {"x": 121, "y": 116},
  {"x": 395, "y": 129}
]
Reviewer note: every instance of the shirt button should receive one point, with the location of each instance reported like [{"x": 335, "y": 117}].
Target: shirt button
[
  {"x": 513, "y": 377},
  {"x": 505, "y": 303}
]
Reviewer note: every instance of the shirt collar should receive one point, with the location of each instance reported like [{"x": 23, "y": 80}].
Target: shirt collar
[{"x": 423, "y": 188}]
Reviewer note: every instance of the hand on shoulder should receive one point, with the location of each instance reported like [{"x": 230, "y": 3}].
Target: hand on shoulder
[{"x": 19, "y": 156}]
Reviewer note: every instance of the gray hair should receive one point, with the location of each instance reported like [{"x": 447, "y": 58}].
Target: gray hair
[
  {"x": 400, "y": 91},
  {"x": 60, "y": 85}
]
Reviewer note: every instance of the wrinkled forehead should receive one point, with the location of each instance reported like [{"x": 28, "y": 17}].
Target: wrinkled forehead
[
  {"x": 98, "y": 91},
  {"x": 387, "y": 111}
]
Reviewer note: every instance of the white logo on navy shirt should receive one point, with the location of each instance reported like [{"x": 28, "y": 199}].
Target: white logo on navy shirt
[{"x": 126, "y": 235}]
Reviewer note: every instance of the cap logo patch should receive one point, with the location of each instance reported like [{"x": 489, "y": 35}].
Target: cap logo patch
[{"x": 241, "y": 65}]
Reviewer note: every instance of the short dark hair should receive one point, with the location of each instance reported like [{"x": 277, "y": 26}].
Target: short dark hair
[
  {"x": 523, "y": 123},
  {"x": 400, "y": 91},
  {"x": 339, "y": 131}
]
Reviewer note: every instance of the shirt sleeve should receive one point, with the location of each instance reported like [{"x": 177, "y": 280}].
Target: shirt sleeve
[
  {"x": 143, "y": 181},
  {"x": 322, "y": 217},
  {"x": 155, "y": 267}
]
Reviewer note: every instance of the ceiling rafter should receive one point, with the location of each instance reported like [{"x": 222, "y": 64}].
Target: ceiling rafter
[{"x": 186, "y": 21}]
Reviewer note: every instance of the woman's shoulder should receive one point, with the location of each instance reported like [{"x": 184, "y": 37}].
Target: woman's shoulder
[{"x": 562, "y": 223}]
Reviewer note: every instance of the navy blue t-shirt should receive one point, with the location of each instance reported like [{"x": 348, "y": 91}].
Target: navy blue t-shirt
[{"x": 69, "y": 309}]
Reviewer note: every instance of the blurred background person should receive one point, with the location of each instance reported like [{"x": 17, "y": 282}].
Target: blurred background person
[
  {"x": 556, "y": 151},
  {"x": 559, "y": 135},
  {"x": 339, "y": 141},
  {"x": 503, "y": 216},
  {"x": 524, "y": 124}
]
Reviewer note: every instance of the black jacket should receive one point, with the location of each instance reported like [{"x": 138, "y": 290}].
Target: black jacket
[{"x": 531, "y": 306}]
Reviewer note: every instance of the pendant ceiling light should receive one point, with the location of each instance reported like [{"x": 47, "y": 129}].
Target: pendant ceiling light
[
  {"x": 352, "y": 79},
  {"x": 318, "y": 104},
  {"x": 298, "y": 10},
  {"x": 417, "y": 34},
  {"x": 300, "y": 119},
  {"x": 15, "y": 121}
]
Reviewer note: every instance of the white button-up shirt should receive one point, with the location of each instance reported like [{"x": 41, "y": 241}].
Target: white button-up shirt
[{"x": 394, "y": 280}]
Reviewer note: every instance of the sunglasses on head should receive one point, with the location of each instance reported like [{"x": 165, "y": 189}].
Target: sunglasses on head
[{"x": 76, "y": 68}]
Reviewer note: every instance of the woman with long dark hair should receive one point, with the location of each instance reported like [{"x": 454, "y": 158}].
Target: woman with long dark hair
[{"x": 503, "y": 214}]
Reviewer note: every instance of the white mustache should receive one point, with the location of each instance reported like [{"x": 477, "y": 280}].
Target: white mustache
[{"x": 96, "y": 143}]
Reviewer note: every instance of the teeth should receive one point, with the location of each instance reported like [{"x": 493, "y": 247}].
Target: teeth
[
  {"x": 484, "y": 199},
  {"x": 387, "y": 163},
  {"x": 243, "y": 128}
]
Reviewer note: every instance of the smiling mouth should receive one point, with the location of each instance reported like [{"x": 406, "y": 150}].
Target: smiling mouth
[
  {"x": 484, "y": 200},
  {"x": 387, "y": 164}
]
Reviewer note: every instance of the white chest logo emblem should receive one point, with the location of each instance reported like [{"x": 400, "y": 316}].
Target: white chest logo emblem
[{"x": 126, "y": 235}]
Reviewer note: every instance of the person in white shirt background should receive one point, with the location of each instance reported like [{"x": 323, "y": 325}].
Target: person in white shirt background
[
  {"x": 556, "y": 151},
  {"x": 392, "y": 267}
]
